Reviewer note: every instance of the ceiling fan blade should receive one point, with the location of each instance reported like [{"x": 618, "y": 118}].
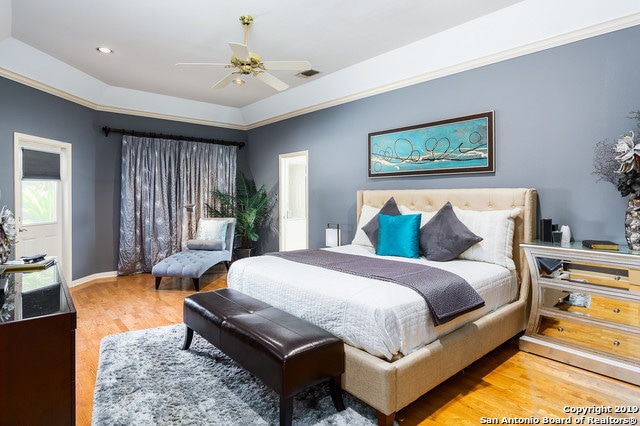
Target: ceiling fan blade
[
  {"x": 200, "y": 64},
  {"x": 222, "y": 83},
  {"x": 272, "y": 81},
  {"x": 241, "y": 51},
  {"x": 287, "y": 65}
]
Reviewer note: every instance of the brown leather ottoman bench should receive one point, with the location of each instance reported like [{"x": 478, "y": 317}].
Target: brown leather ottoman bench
[{"x": 287, "y": 353}]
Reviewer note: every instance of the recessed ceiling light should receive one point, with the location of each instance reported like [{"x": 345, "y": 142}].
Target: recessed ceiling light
[{"x": 104, "y": 50}]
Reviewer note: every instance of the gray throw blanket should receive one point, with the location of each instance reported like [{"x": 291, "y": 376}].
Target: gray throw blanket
[{"x": 447, "y": 294}]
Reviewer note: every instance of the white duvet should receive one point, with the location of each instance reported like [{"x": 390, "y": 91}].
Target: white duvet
[{"x": 382, "y": 318}]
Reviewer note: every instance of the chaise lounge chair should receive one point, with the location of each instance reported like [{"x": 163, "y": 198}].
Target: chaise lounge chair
[{"x": 213, "y": 244}]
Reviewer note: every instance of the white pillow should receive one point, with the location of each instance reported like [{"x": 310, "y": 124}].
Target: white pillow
[
  {"x": 496, "y": 227},
  {"x": 366, "y": 214},
  {"x": 426, "y": 216},
  {"x": 212, "y": 229}
]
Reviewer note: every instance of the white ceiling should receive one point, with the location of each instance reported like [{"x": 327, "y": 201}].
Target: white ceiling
[{"x": 360, "y": 47}]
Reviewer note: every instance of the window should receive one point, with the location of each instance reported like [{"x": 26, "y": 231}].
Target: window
[{"x": 39, "y": 201}]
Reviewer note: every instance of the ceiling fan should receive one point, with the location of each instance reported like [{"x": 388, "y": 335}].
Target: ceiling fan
[{"x": 248, "y": 62}]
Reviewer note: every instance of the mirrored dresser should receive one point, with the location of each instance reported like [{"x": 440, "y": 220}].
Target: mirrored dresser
[
  {"x": 585, "y": 308},
  {"x": 37, "y": 348}
]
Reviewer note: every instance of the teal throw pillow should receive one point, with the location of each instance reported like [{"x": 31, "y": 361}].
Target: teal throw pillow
[{"x": 399, "y": 235}]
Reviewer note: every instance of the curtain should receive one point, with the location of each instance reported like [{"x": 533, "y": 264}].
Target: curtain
[{"x": 159, "y": 178}]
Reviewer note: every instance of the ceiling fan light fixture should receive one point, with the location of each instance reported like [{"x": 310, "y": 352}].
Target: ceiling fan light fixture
[
  {"x": 250, "y": 63},
  {"x": 103, "y": 49},
  {"x": 246, "y": 20}
]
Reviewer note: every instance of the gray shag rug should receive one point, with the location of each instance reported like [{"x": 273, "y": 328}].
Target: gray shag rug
[{"x": 144, "y": 378}]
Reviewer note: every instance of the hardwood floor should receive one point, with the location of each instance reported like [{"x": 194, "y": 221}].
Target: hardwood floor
[
  {"x": 121, "y": 304},
  {"x": 505, "y": 383}
]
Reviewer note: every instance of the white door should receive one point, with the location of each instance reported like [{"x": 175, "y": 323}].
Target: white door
[
  {"x": 293, "y": 201},
  {"x": 43, "y": 199}
]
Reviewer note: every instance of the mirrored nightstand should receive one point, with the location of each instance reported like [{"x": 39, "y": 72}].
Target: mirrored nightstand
[{"x": 585, "y": 308}]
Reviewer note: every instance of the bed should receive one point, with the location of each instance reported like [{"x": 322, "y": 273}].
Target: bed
[{"x": 406, "y": 359}]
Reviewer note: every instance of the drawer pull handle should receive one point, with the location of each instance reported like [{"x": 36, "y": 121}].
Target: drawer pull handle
[
  {"x": 616, "y": 310},
  {"x": 616, "y": 343},
  {"x": 560, "y": 329},
  {"x": 617, "y": 278}
]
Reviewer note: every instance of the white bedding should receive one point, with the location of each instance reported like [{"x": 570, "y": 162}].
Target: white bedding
[{"x": 384, "y": 319}]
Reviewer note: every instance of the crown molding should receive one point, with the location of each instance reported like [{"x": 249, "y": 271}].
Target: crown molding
[
  {"x": 10, "y": 75},
  {"x": 548, "y": 43},
  {"x": 107, "y": 108},
  {"x": 162, "y": 116},
  {"x": 541, "y": 45}
]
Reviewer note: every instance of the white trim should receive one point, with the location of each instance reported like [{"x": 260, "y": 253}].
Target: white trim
[
  {"x": 21, "y": 140},
  {"x": 92, "y": 277},
  {"x": 106, "y": 108},
  {"x": 491, "y": 58},
  {"x": 545, "y": 24},
  {"x": 284, "y": 189}
]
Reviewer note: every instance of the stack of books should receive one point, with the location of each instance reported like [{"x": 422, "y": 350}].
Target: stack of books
[
  {"x": 600, "y": 245},
  {"x": 21, "y": 266}
]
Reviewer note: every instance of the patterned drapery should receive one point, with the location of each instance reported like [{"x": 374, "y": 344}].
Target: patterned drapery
[{"x": 159, "y": 178}]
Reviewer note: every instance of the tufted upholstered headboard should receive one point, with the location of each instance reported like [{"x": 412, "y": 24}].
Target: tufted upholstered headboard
[{"x": 479, "y": 199}]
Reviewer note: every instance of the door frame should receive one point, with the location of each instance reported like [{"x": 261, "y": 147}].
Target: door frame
[
  {"x": 284, "y": 187},
  {"x": 21, "y": 140}
]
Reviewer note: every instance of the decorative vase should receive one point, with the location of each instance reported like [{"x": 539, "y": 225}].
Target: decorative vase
[
  {"x": 7, "y": 233},
  {"x": 632, "y": 223},
  {"x": 5, "y": 248},
  {"x": 4, "y": 254}
]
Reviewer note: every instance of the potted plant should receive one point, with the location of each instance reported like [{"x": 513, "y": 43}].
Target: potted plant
[{"x": 250, "y": 206}]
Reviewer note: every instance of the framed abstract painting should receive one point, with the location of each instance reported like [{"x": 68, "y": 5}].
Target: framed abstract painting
[{"x": 457, "y": 145}]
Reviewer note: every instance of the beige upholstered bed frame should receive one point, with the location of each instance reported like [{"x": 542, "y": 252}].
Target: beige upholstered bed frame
[{"x": 391, "y": 386}]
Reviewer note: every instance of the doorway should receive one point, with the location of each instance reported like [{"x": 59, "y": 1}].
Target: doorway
[
  {"x": 293, "y": 202},
  {"x": 42, "y": 187}
]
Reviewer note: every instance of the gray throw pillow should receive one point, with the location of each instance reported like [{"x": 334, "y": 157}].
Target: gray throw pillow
[
  {"x": 444, "y": 237},
  {"x": 390, "y": 208},
  {"x": 211, "y": 245}
]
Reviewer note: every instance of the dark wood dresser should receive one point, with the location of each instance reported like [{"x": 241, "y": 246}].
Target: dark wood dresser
[{"x": 37, "y": 349}]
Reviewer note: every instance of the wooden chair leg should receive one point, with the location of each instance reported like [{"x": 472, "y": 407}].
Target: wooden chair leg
[
  {"x": 336, "y": 393},
  {"x": 196, "y": 283},
  {"x": 158, "y": 279},
  {"x": 188, "y": 337},
  {"x": 286, "y": 411},
  {"x": 386, "y": 419}
]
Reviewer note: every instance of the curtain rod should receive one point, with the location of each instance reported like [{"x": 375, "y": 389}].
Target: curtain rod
[{"x": 108, "y": 130}]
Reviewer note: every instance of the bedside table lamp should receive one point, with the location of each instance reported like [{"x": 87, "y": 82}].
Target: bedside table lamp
[
  {"x": 332, "y": 235},
  {"x": 191, "y": 209}
]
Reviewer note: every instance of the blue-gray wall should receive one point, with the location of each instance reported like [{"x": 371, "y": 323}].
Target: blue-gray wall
[
  {"x": 551, "y": 108},
  {"x": 95, "y": 163}
]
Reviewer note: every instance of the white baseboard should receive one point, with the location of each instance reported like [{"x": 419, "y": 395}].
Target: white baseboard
[{"x": 97, "y": 276}]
